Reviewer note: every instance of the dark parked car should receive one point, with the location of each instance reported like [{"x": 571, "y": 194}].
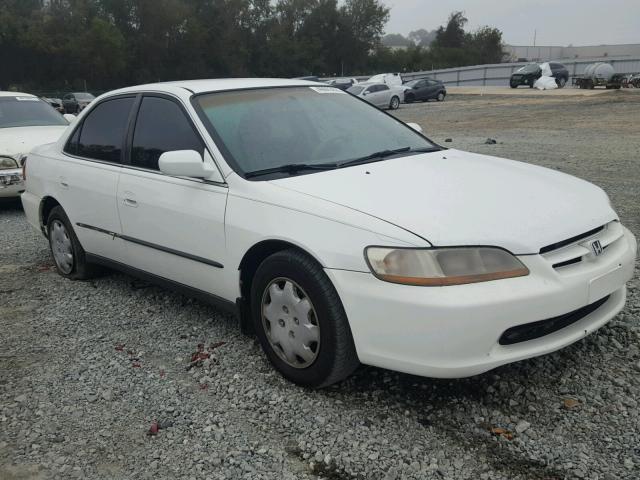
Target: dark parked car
[
  {"x": 56, "y": 103},
  {"x": 342, "y": 83},
  {"x": 310, "y": 78},
  {"x": 528, "y": 75},
  {"x": 424, "y": 89},
  {"x": 76, "y": 102}
]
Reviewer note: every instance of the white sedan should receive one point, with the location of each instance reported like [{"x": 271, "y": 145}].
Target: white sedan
[
  {"x": 25, "y": 122},
  {"x": 337, "y": 233},
  {"x": 379, "y": 94}
]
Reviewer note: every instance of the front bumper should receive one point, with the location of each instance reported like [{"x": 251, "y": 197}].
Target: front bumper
[
  {"x": 452, "y": 332},
  {"x": 11, "y": 183}
]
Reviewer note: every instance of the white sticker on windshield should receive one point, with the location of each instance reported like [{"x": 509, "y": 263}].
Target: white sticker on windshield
[
  {"x": 27, "y": 99},
  {"x": 326, "y": 90}
]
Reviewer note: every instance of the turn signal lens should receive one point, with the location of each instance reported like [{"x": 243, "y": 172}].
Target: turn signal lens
[{"x": 443, "y": 266}]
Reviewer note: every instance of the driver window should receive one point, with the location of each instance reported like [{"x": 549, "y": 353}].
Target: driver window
[{"x": 161, "y": 127}]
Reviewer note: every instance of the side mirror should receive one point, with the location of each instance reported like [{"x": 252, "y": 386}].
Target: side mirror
[
  {"x": 365, "y": 93},
  {"x": 70, "y": 118},
  {"x": 415, "y": 126},
  {"x": 185, "y": 163}
]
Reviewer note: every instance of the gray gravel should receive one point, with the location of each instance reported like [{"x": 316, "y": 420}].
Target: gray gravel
[{"x": 86, "y": 368}]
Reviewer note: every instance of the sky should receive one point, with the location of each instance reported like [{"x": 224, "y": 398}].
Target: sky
[{"x": 558, "y": 22}]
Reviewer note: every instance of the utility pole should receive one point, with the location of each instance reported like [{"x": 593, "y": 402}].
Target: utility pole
[{"x": 535, "y": 33}]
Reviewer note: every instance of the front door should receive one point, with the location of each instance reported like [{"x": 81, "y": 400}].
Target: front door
[{"x": 173, "y": 227}]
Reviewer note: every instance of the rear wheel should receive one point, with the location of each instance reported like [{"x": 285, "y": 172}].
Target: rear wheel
[
  {"x": 68, "y": 255},
  {"x": 395, "y": 103},
  {"x": 409, "y": 99},
  {"x": 561, "y": 82},
  {"x": 300, "y": 321},
  {"x": 440, "y": 97},
  {"x": 513, "y": 84}
]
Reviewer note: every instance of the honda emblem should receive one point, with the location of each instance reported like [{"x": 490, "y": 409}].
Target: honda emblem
[{"x": 596, "y": 247}]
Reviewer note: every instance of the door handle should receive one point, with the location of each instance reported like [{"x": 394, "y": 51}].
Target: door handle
[{"x": 129, "y": 199}]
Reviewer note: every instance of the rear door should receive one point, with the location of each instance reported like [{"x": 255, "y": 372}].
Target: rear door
[
  {"x": 173, "y": 226},
  {"x": 87, "y": 179}
]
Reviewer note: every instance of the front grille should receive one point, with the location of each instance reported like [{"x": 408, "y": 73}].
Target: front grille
[
  {"x": 533, "y": 330},
  {"x": 573, "y": 252}
]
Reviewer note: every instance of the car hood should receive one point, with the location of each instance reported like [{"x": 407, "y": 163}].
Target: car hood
[
  {"x": 458, "y": 198},
  {"x": 14, "y": 140}
]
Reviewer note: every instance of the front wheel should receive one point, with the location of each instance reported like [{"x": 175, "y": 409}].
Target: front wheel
[
  {"x": 395, "y": 103},
  {"x": 300, "y": 321},
  {"x": 68, "y": 255},
  {"x": 561, "y": 82},
  {"x": 440, "y": 97}
]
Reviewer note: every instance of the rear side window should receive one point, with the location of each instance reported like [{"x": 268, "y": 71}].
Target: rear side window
[
  {"x": 101, "y": 135},
  {"x": 161, "y": 127}
]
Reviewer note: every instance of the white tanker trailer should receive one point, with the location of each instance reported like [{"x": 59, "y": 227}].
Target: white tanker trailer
[{"x": 598, "y": 74}]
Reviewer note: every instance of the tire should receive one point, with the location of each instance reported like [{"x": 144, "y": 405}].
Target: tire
[
  {"x": 394, "y": 104},
  {"x": 561, "y": 82},
  {"x": 531, "y": 82},
  {"x": 440, "y": 96},
  {"x": 409, "y": 99},
  {"x": 64, "y": 242},
  {"x": 291, "y": 274},
  {"x": 513, "y": 85}
]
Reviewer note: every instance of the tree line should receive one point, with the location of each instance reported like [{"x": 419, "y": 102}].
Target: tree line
[{"x": 104, "y": 44}]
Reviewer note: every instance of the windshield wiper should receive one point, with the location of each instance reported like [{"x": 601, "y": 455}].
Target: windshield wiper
[
  {"x": 291, "y": 168},
  {"x": 382, "y": 154}
]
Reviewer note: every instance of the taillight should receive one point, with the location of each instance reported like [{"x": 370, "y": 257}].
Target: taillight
[{"x": 24, "y": 168}]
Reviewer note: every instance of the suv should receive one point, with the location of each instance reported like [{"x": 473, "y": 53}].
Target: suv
[{"x": 528, "y": 74}]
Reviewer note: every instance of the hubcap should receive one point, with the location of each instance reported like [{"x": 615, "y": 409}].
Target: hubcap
[
  {"x": 290, "y": 323},
  {"x": 61, "y": 247}
]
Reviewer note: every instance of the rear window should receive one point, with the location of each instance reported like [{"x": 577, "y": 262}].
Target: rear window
[
  {"x": 27, "y": 111},
  {"x": 101, "y": 135}
]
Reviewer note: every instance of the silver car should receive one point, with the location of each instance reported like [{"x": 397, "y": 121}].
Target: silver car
[{"x": 379, "y": 94}]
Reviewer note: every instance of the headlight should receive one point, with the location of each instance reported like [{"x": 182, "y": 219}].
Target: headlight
[
  {"x": 443, "y": 266},
  {"x": 7, "y": 163}
]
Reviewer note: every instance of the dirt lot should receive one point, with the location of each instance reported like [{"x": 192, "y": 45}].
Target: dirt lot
[{"x": 87, "y": 367}]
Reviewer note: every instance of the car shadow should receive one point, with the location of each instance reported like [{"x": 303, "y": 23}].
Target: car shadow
[{"x": 10, "y": 204}]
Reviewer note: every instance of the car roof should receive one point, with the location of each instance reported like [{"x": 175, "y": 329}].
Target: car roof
[
  {"x": 217, "y": 85},
  {"x": 15, "y": 94}
]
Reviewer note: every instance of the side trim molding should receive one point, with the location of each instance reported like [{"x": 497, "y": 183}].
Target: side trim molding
[
  {"x": 155, "y": 246},
  {"x": 201, "y": 295}
]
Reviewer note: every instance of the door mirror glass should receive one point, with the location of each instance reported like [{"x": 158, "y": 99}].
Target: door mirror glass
[
  {"x": 70, "y": 118},
  {"x": 184, "y": 163},
  {"x": 415, "y": 126}
]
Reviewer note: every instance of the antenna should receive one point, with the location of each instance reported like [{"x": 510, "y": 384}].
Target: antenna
[{"x": 535, "y": 33}]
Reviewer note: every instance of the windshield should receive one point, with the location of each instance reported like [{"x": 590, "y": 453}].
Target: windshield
[
  {"x": 83, "y": 96},
  {"x": 355, "y": 90},
  {"x": 530, "y": 68},
  {"x": 23, "y": 111},
  {"x": 272, "y": 127}
]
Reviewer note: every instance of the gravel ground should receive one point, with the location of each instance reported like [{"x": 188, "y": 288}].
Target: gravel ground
[{"x": 88, "y": 368}]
